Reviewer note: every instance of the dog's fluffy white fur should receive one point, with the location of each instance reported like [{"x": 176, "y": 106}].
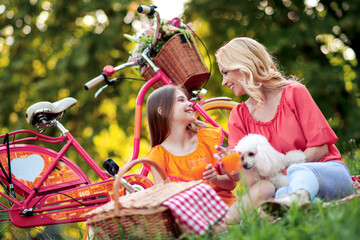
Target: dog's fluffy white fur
[{"x": 261, "y": 161}]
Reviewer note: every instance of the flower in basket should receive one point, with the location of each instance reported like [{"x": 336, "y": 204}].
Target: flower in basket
[{"x": 167, "y": 30}]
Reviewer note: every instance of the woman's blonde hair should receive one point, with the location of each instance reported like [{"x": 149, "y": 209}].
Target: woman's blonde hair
[
  {"x": 159, "y": 124},
  {"x": 255, "y": 62}
]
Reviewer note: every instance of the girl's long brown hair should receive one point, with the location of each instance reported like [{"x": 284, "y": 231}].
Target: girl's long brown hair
[
  {"x": 159, "y": 124},
  {"x": 163, "y": 97}
]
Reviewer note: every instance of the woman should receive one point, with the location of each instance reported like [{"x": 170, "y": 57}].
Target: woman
[
  {"x": 177, "y": 137},
  {"x": 284, "y": 112}
]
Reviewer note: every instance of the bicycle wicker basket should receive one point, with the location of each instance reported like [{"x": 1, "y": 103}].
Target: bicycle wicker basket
[
  {"x": 139, "y": 214},
  {"x": 181, "y": 63}
]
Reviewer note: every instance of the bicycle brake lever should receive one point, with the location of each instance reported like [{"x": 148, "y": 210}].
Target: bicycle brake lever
[
  {"x": 198, "y": 95},
  {"x": 108, "y": 83},
  {"x": 100, "y": 90}
]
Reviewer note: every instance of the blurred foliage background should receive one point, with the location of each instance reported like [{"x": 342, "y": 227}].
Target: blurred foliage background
[{"x": 50, "y": 48}]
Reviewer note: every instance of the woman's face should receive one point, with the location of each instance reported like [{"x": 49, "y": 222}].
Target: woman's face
[
  {"x": 233, "y": 79},
  {"x": 182, "y": 109}
]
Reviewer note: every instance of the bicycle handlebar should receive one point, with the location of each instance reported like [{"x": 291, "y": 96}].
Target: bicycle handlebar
[
  {"x": 148, "y": 10},
  {"x": 93, "y": 82},
  {"x": 107, "y": 72}
]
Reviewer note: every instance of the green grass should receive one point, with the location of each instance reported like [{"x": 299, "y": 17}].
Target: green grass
[{"x": 335, "y": 222}]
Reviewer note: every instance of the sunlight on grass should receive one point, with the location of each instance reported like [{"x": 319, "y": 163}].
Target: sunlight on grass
[{"x": 316, "y": 222}]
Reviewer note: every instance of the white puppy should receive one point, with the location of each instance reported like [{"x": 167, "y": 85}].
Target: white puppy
[{"x": 261, "y": 160}]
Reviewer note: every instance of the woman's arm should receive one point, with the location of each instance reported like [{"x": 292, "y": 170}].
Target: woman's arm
[{"x": 314, "y": 154}]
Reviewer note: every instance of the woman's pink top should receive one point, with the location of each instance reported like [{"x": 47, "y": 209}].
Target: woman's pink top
[{"x": 298, "y": 124}]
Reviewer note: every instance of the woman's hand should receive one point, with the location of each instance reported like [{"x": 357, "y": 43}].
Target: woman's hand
[{"x": 222, "y": 152}]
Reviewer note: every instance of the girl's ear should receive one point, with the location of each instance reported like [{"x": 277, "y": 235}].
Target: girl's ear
[{"x": 159, "y": 110}]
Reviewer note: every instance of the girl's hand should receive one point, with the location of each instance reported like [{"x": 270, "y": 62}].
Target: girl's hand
[{"x": 210, "y": 175}]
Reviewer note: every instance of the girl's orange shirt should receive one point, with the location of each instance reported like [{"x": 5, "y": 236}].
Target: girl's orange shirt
[{"x": 176, "y": 166}]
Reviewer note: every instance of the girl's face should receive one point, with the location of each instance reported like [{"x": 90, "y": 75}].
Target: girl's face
[
  {"x": 233, "y": 79},
  {"x": 182, "y": 109}
]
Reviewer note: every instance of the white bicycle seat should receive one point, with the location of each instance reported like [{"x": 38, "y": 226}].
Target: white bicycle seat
[{"x": 55, "y": 108}]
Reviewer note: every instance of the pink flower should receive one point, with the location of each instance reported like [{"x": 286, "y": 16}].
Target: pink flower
[
  {"x": 175, "y": 22},
  {"x": 189, "y": 25},
  {"x": 149, "y": 32}
]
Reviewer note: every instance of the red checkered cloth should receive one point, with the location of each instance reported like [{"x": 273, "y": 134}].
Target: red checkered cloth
[
  {"x": 196, "y": 209},
  {"x": 356, "y": 181}
]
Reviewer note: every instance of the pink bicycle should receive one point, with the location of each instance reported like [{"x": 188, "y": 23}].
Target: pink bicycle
[{"x": 42, "y": 186}]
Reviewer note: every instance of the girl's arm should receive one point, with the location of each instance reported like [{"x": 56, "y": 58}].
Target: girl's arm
[
  {"x": 156, "y": 176},
  {"x": 314, "y": 154},
  {"x": 222, "y": 181}
]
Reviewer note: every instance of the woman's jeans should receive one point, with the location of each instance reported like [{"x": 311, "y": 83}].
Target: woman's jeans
[{"x": 326, "y": 180}]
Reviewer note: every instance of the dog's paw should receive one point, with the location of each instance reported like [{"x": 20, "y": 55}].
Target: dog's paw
[{"x": 295, "y": 156}]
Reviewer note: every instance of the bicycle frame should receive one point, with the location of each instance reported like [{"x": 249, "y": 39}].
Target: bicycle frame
[{"x": 47, "y": 201}]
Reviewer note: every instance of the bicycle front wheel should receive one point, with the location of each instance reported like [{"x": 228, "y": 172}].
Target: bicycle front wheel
[{"x": 219, "y": 110}]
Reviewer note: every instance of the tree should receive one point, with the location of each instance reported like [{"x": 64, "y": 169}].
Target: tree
[
  {"x": 49, "y": 49},
  {"x": 318, "y": 41}
]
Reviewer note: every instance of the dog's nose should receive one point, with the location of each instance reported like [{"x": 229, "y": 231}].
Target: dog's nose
[{"x": 246, "y": 166}]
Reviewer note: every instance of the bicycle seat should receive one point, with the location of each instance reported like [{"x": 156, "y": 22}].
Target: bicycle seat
[{"x": 50, "y": 110}]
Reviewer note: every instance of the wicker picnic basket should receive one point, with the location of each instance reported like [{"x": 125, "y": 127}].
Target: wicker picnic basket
[
  {"x": 181, "y": 63},
  {"x": 138, "y": 214}
]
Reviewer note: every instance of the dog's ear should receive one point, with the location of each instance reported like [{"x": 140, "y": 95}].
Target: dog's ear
[{"x": 267, "y": 161}]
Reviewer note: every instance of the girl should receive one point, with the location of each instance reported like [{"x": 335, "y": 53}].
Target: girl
[{"x": 176, "y": 137}]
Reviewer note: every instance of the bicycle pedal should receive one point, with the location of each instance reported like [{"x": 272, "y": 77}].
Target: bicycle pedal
[{"x": 111, "y": 167}]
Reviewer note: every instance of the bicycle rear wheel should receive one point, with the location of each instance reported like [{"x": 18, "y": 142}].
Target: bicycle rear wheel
[{"x": 219, "y": 110}]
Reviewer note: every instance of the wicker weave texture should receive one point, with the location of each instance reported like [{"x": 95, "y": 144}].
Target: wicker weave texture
[
  {"x": 139, "y": 224},
  {"x": 145, "y": 199},
  {"x": 181, "y": 63}
]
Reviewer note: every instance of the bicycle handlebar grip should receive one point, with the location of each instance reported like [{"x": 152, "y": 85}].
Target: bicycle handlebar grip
[
  {"x": 108, "y": 71},
  {"x": 93, "y": 82},
  {"x": 148, "y": 10}
]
